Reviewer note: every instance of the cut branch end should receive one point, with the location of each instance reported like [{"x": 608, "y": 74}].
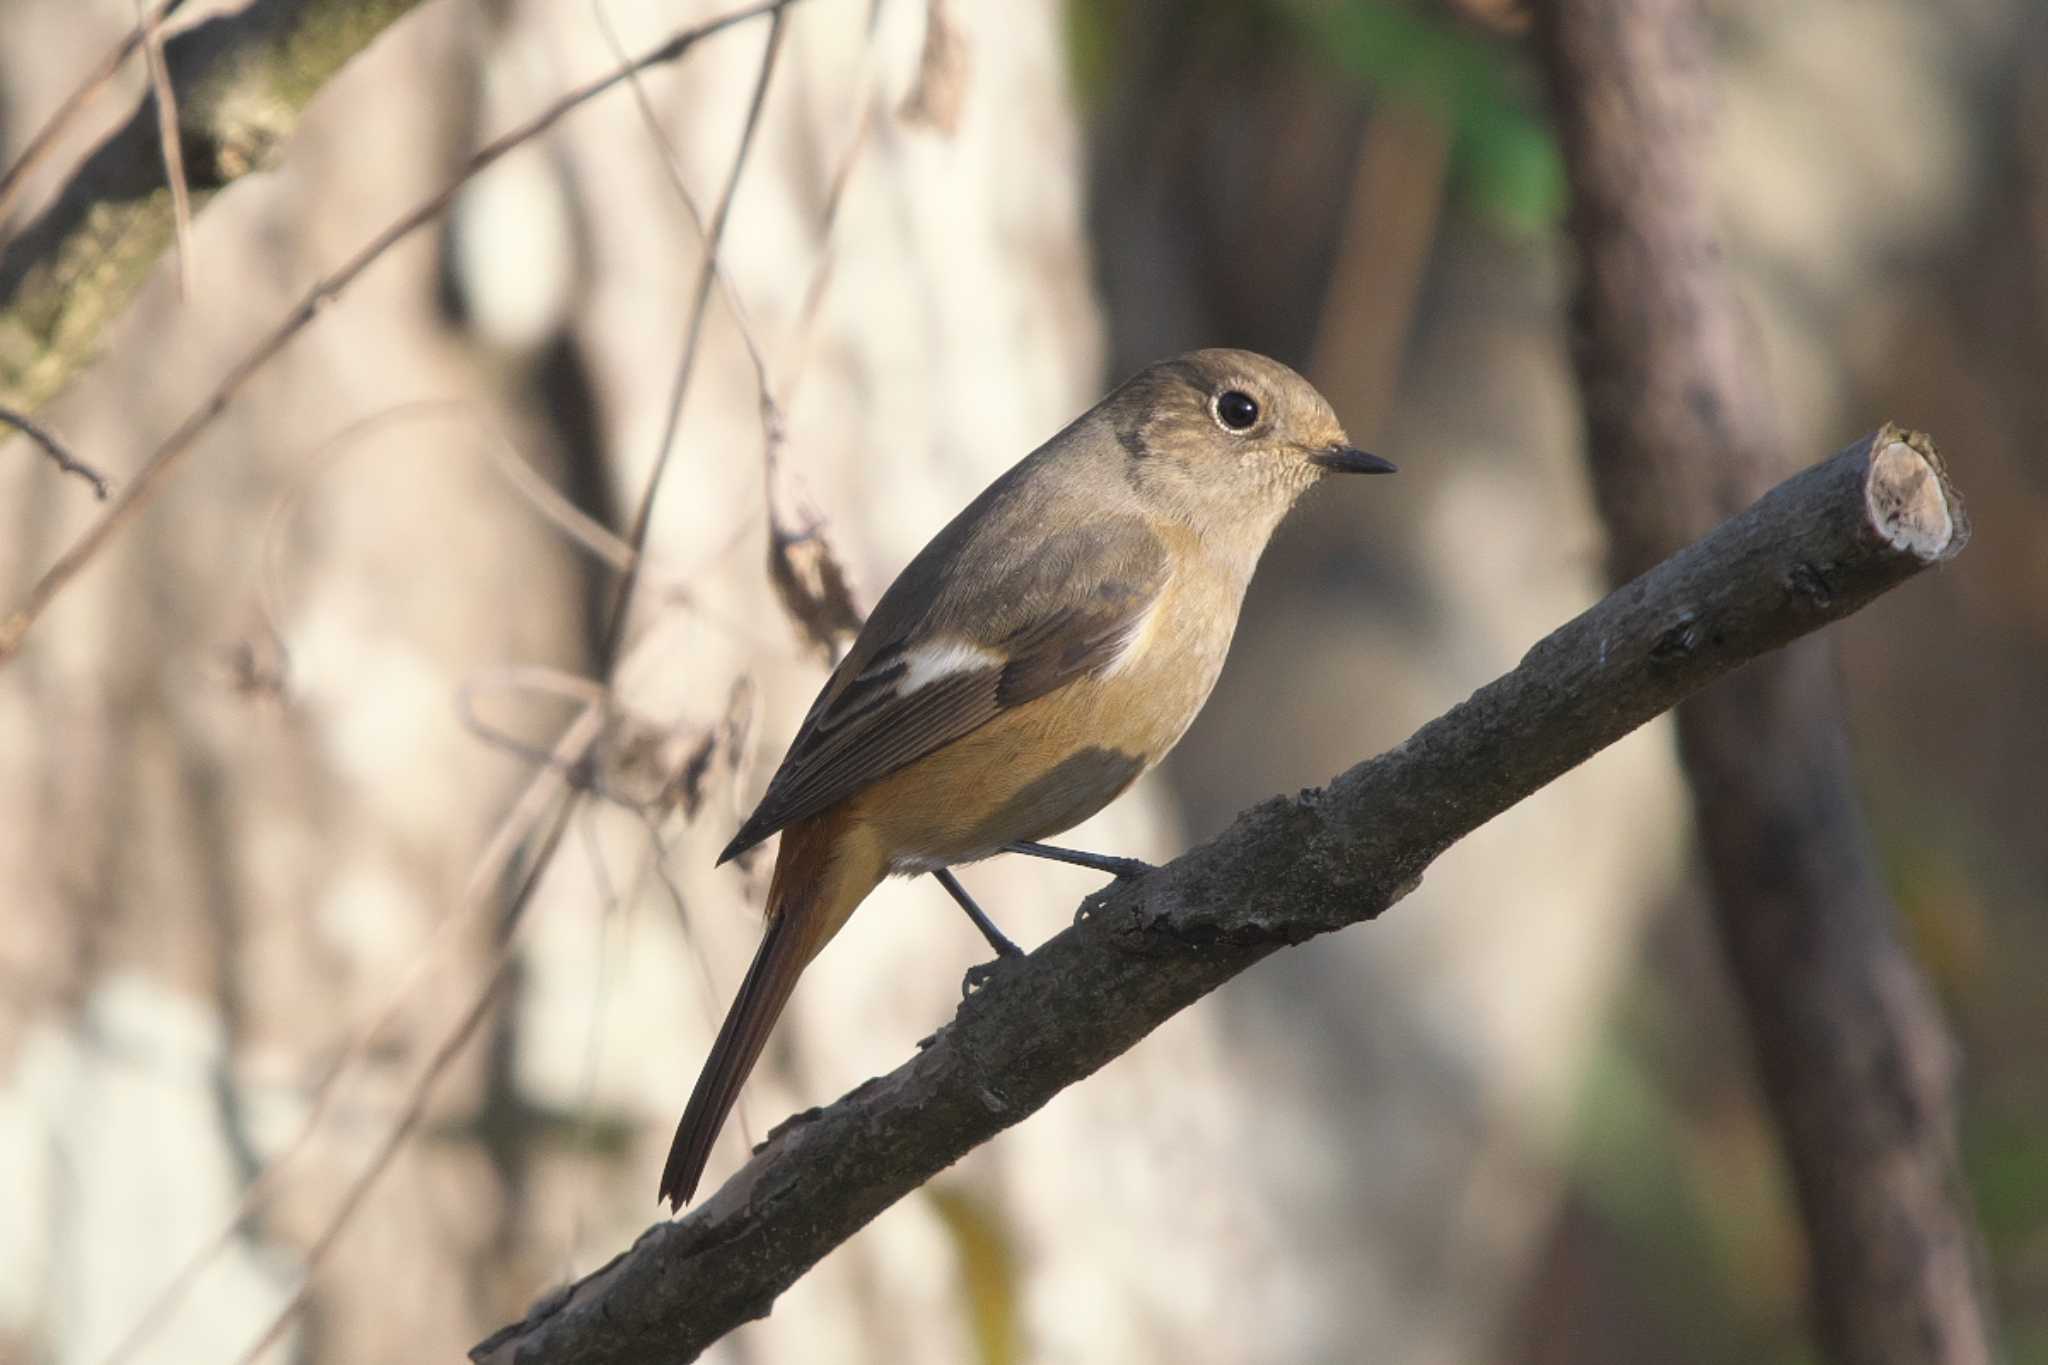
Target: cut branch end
[{"x": 1909, "y": 498}]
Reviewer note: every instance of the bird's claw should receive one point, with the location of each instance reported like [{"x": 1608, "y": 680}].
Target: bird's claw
[{"x": 981, "y": 974}]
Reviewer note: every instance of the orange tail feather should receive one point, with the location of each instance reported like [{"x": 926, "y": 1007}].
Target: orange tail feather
[{"x": 812, "y": 893}]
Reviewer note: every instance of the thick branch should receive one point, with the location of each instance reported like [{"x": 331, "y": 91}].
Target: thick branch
[
  {"x": 1811, "y": 552},
  {"x": 1853, "y": 1055},
  {"x": 241, "y": 81}
]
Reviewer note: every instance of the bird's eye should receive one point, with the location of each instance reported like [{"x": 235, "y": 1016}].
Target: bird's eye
[{"x": 1236, "y": 409}]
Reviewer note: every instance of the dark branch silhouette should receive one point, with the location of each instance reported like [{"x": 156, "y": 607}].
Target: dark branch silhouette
[{"x": 56, "y": 450}]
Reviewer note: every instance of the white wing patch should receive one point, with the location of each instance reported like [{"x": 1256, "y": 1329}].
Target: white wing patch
[
  {"x": 926, "y": 663},
  {"x": 1136, "y": 640}
]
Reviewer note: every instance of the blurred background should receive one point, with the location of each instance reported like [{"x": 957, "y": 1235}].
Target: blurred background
[{"x": 270, "y": 769}]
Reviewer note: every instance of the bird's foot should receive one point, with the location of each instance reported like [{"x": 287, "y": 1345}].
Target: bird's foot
[{"x": 1128, "y": 869}]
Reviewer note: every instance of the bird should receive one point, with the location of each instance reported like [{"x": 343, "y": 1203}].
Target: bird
[{"x": 1048, "y": 646}]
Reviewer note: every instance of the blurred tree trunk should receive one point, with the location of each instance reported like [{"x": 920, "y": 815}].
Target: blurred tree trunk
[{"x": 1854, "y": 1058}]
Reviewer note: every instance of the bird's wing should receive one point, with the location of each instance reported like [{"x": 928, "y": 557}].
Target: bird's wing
[{"x": 925, "y": 679}]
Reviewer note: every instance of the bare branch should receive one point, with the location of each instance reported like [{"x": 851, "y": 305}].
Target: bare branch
[
  {"x": 707, "y": 274},
  {"x": 165, "y": 457},
  {"x": 394, "y": 1139},
  {"x": 835, "y": 195},
  {"x": 806, "y": 575},
  {"x": 1812, "y": 551},
  {"x": 55, "y": 449},
  {"x": 578, "y": 771},
  {"x": 1855, "y": 1060},
  {"x": 478, "y": 895},
  {"x": 548, "y": 839},
  {"x": 88, "y": 90},
  {"x": 576, "y": 526},
  {"x": 171, "y": 145},
  {"x": 672, "y": 162}
]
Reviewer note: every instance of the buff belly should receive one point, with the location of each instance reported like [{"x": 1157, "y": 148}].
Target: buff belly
[{"x": 1044, "y": 767}]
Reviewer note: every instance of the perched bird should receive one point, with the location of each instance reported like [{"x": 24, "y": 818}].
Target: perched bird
[{"x": 1047, "y": 647}]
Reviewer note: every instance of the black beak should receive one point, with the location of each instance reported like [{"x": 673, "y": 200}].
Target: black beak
[{"x": 1347, "y": 460}]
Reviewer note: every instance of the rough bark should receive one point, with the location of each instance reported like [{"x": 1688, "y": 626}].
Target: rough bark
[
  {"x": 1810, "y": 552},
  {"x": 1854, "y": 1058}
]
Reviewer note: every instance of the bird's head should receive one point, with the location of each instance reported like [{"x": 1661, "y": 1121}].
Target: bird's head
[{"x": 1223, "y": 438}]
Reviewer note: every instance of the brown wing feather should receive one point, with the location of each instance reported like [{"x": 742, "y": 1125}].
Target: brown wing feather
[
  {"x": 1072, "y": 641},
  {"x": 1063, "y": 614}
]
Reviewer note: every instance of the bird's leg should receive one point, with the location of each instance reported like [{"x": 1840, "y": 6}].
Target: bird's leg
[
  {"x": 1121, "y": 868},
  {"x": 1002, "y": 945}
]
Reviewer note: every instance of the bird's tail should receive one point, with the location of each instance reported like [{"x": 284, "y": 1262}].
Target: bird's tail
[{"x": 817, "y": 883}]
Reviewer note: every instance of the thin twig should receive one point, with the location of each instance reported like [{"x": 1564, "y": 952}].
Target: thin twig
[
  {"x": 611, "y": 918},
  {"x": 636, "y": 536},
  {"x": 55, "y": 449},
  {"x": 580, "y": 772},
  {"x": 172, "y": 142},
  {"x": 773, "y": 426},
  {"x": 821, "y": 273},
  {"x": 657, "y": 857},
  {"x": 805, "y": 572},
  {"x": 534, "y": 868},
  {"x": 487, "y": 874},
  {"x": 581, "y": 529},
  {"x": 615, "y": 624},
  {"x": 577, "y": 526},
  {"x": 808, "y": 576},
  {"x": 540, "y": 855},
  {"x": 167, "y": 455},
  {"x": 408, "y": 1120},
  {"x": 88, "y": 90},
  {"x": 672, "y": 162}
]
